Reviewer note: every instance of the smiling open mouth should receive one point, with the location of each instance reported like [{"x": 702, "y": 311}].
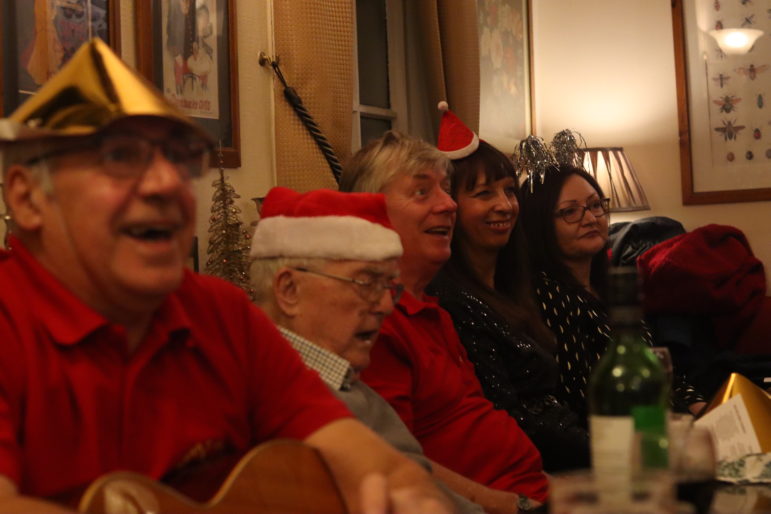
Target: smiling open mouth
[
  {"x": 150, "y": 233},
  {"x": 439, "y": 231}
]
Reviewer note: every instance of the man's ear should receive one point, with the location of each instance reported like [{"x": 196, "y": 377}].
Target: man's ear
[
  {"x": 23, "y": 197},
  {"x": 285, "y": 292}
]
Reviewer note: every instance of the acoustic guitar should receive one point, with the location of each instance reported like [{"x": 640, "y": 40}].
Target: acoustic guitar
[{"x": 276, "y": 477}]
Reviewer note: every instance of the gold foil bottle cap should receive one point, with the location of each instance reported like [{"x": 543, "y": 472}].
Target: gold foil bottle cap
[{"x": 92, "y": 91}]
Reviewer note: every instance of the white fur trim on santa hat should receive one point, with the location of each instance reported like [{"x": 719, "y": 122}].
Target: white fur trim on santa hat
[
  {"x": 456, "y": 140},
  {"x": 325, "y": 237},
  {"x": 467, "y": 150}
]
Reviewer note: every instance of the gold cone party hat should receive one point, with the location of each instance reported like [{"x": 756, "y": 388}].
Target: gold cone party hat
[
  {"x": 757, "y": 401},
  {"x": 93, "y": 90}
]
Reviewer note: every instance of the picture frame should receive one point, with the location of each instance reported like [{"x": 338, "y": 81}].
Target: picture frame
[
  {"x": 190, "y": 55},
  {"x": 724, "y": 132},
  {"x": 192, "y": 260},
  {"x": 505, "y": 69},
  {"x": 29, "y": 56}
]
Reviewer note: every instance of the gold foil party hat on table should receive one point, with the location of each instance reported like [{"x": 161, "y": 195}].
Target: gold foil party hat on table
[
  {"x": 93, "y": 90},
  {"x": 757, "y": 401}
]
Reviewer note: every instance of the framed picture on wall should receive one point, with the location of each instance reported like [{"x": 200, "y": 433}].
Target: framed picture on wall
[
  {"x": 192, "y": 260},
  {"x": 39, "y": 36},
  {"x": 188, "y": 49},
  {"x": 505, "y": 110},
  {"x": 725, "y": 129}
]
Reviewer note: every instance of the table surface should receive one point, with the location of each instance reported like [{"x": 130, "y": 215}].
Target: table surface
[{"x": 741, "y": 499}]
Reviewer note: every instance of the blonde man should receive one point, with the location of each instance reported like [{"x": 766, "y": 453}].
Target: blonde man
[{"x": 418, "y": 362}]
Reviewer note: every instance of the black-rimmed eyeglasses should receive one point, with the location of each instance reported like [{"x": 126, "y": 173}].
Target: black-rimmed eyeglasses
[
  {"x": 575, "y": 213},
  {"x": 370, "y": 291}
]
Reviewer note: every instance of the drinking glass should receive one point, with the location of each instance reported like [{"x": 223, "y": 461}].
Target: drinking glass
[
  {"x": 584, "y": 492},
  {"x": 692, "y": 461},
  {"x": 697, "y": 460}
]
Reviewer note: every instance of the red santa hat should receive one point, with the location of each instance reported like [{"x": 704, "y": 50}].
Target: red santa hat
[
  {"x": 325, "y": 224},
  {"x": 456, "y": 140}
]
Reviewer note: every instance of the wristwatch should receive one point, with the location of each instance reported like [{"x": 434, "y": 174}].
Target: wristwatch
[{"x": 524, "y": 503}]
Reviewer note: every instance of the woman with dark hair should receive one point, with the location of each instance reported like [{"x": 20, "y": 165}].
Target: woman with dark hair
[
  {"x": 418, "y": 363},
  {"x": 486, "y": 288},
  {"x": 564, "y": 215}
]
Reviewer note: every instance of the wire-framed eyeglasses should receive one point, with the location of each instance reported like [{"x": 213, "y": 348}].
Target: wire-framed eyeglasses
[
  {"x": 575, "y": 213},
  {"x": 128, "y": 155},
  {"x": 370, "y": 291}
]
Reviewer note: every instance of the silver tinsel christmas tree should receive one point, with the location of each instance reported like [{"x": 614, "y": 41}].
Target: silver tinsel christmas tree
[{"x": 229, "y": 241}]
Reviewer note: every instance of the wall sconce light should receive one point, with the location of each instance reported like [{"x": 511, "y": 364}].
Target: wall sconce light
[
  {"x": 735, "y": 41},
  {"x": 617, "y": 178}
]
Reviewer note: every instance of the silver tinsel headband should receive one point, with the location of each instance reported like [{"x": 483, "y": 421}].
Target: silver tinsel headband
[
  {"x": 537, "y": 159},
  {"x": 534, "y": 158},
  {"x": 566, "y": 146}
]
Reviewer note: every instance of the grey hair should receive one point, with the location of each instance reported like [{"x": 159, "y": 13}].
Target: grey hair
[
  {"x": 380, "y": 161},
  {"x": 263, "y": 271},
  {"x": 22, "y": 152}
]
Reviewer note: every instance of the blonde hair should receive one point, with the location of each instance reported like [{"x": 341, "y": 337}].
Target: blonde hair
[{"x": 381, "y": 160}]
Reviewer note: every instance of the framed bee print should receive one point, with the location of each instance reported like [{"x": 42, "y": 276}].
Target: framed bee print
[
  {"x": 190, "y": 55},
  {"x": 724, "y": 110},
  {"x": 39, "y": 36}
]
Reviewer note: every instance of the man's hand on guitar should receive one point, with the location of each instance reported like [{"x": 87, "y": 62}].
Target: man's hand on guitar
[
  {"x": 376, "y": 498},
  {"x": 353, "y": 452}
]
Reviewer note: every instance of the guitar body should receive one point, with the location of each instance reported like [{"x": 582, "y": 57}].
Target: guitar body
[{"x": 276, "y": 477}]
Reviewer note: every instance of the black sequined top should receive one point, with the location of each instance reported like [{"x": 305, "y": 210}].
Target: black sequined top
[
  {"x": 580, "y": 322},
  {"x": 517, "y": 375}
]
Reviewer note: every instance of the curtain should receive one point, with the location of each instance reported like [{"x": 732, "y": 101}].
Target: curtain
[
  {"x": 314, "y": 43},
  {"x": 450, "y": 44}
]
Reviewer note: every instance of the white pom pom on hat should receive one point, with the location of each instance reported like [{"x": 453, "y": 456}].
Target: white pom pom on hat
[{"x": 455, "y": 140}]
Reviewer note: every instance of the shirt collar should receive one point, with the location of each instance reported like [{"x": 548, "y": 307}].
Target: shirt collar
[
  {"x": 412, "y": 305},
  {"x": 333, "y": 369},
  {"x": 66, "y": 317}
]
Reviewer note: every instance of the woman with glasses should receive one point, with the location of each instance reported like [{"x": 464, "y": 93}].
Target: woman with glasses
[
  {"x": 486, "y": 288},
  {"x": 565, "y": 220}
]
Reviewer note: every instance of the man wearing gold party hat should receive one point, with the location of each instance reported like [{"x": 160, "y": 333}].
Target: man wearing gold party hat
[{"x": 113, "y": 356}]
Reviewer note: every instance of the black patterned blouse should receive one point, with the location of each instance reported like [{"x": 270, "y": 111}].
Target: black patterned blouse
[
  {"x": 580, "y": 322},
  {"x": 517, "y": 375}
]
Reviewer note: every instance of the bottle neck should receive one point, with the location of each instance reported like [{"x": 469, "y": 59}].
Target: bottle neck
[
  {"x": 625, "y": 316},
  {"x": 629, "y": 336}
]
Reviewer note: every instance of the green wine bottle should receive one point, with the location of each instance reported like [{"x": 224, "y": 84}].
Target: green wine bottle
[{"x": 628, "y": 390}]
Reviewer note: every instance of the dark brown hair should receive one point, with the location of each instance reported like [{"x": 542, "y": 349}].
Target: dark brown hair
[
  {"x": 537, "y": 204},
  {"x": 512, "y": 297}
]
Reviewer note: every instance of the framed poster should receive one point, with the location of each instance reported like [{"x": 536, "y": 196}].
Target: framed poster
[
  {"x": 505, "y": 104},
  {"x": 187, "y": 48},
  {"x": 39, "y": 36},
  {"x": 723, "y": 103}
]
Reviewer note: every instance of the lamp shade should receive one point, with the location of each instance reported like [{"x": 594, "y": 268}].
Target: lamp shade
[
  {"x": 735, "y": 41},
  {"x": 617, "y": 178}
]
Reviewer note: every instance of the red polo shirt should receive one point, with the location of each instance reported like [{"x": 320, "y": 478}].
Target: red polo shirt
[
  {"x": 213, "y": 372},
  {"x": 420, "y": 366}
]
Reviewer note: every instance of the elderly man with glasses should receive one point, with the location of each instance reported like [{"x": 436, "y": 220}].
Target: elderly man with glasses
[
  {"x": 113, "y": 355},
  {"x": 326, "y": 271}
]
